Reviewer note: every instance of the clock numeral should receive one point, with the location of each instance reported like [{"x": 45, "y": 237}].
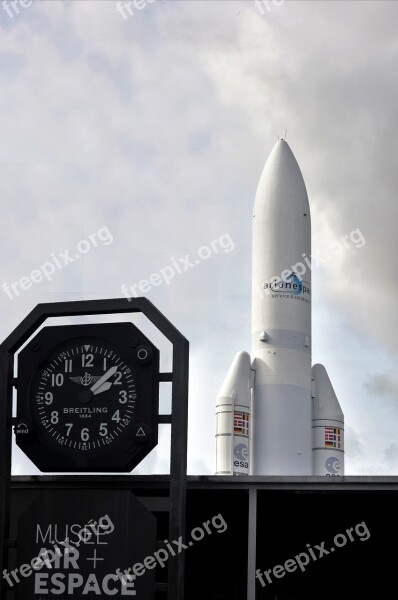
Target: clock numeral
[
  {"x": 103, "y": 430},
  {"x": 68, "y": 365},
  {"x": 87, "y": 360},
  {"x": 116, "y": 416},
  {"x": 85, "y": 434},
  {"x": 57, "y": 379},
  {"x": 48, "y": 398},
  {"x": 122, "y": 397},
  {"x": 54, "y": 417},
  {"x": 69, "y": 426},
  {"x": 105, "y": 364},
  {"x": 118, "y": 377}
]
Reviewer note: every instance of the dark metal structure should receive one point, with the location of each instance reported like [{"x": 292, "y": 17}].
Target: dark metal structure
[
  {"x": 270, "y": 521},
  {"x": 178, "y": 417}
]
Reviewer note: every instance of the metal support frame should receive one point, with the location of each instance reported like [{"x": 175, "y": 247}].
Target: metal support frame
[
  {"x": 179, "y": 416},
  {"x": 252, "y": 545}
]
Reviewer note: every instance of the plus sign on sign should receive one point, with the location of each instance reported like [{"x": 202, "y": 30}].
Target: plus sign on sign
[{"x": 85, "y": 544}]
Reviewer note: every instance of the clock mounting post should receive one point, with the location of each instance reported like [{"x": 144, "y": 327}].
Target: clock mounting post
[{"x": 100, "y": 391}]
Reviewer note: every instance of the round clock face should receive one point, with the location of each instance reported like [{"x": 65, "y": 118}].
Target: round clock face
[{"x": 84, "y": 396}]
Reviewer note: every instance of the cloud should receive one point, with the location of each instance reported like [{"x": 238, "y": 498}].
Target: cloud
[
  {"x": 384, "y": 385},
  {"x": 392, "y": 453},
  {"x": 158, "y": 127}
]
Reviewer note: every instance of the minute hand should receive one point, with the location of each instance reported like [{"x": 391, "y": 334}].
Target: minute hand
[{"x": 104, "y": 378}]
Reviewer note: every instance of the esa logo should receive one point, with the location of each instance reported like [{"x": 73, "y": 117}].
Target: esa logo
[
  {"x": 333, "y": 466},
  {"x": 241, "y": 454},
  {"x": 241, "y": 463}
]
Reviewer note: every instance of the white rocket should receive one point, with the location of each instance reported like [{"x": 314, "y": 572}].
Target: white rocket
[{"x": 276, "y": 415}]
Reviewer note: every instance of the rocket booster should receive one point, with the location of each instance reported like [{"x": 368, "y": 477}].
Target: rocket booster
[
  {"x": 233, "y": 418},
  {"x": 327, "y": 426},
  {"x": 295, "y": 421}
]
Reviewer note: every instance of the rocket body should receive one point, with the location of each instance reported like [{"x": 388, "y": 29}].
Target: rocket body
[
  {"x": 281, "y": 320},
  {"x": 296, "y": 426}
]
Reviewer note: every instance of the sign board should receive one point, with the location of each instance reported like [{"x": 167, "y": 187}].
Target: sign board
[{"x": 78, "y": 544}]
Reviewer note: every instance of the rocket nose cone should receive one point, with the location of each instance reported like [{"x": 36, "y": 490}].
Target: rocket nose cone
[
  {"x": 325, "y": 402},
  {"x": 281, "y": 182},
  {"x": 282, "y": 155}
]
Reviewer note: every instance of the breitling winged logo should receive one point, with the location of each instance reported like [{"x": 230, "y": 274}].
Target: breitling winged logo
[{"x": 85, "y": 379}]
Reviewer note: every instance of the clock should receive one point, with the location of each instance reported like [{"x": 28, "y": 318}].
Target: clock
[{"x": 88, "y": 398}]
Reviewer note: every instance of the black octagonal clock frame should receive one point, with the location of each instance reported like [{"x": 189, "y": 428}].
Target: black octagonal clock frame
[
  {"x": 88, "y": 398},
  {"x": 137, "y": 362}
]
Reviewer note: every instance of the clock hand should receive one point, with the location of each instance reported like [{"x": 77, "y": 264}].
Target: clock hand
[
  {"x": 104, "y": 387},
  {"x": 104, "y": 378}
]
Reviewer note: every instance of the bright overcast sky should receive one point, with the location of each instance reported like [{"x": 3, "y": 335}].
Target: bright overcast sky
[{"x": 151, "y": 129}]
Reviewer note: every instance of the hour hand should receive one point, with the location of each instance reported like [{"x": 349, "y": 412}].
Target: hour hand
[
  {"x": 103, "y": 379},
  {"x": 105, "y": 386}
]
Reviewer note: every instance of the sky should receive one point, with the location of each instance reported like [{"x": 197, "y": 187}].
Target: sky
[{"x": 147, "y": 127}]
